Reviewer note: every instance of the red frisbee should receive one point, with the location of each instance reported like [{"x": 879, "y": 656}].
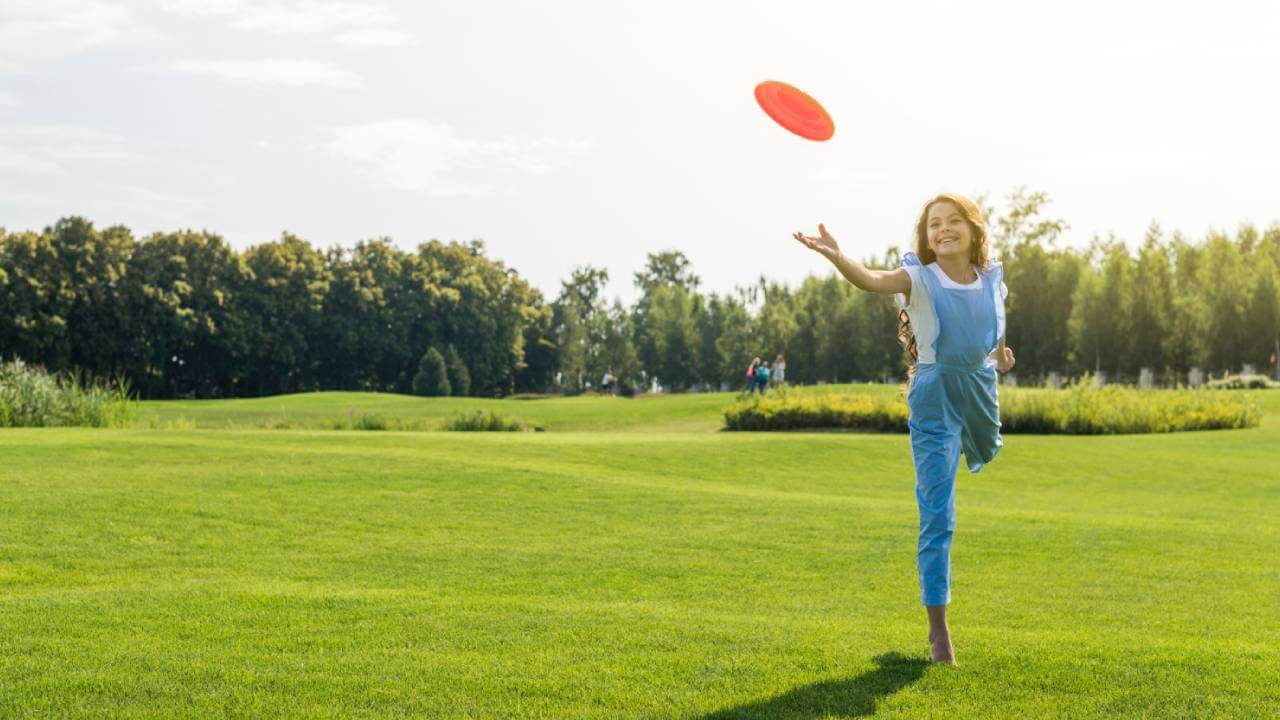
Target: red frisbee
[{"x": 794, "y": 110}]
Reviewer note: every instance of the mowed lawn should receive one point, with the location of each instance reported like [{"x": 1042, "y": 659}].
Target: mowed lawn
[
  {"x": 696, "y": 412},
  {"x": 594, "y": 571}
]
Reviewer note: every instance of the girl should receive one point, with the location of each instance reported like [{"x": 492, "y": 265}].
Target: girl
[
  {"x": 952, "y": 295},
  {"x": 751, "y": 375}
]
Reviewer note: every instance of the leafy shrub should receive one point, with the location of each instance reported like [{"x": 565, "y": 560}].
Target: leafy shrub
[
  {"x": 789, "y": 411},
  {"x": 482, "y": 421},
  {"x": 1085, "y": 410},
  {"x": 1078, "y": 410},
  {"x": 432, "y": 379},
  {"x": 459, "y": 376},
  {"x": 369, "y": 421},
  {"x": 1242, "y": 382},
  {"x": 31, "y": 397}
]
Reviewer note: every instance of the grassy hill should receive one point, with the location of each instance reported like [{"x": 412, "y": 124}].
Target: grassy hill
[
  {"x": 595, "y": 571},
  {"x": 696, "y": 412}
]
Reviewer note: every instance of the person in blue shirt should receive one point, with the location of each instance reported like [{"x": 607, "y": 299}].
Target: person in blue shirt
[
  {"x": 953, "y": 294},
  {"x": 762, "y": 376}
]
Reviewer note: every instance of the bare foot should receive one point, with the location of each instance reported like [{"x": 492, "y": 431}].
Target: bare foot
[{"x": 943, "y": 653}]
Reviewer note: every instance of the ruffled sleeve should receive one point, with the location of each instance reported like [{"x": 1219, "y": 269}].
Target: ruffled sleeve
[{"x": 910, "y": 263}]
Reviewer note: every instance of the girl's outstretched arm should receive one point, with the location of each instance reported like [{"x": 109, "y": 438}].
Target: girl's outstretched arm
[{"x": 877, "y": 281}]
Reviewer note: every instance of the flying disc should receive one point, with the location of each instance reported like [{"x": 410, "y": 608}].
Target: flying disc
[{"x": 794, "y": 110}]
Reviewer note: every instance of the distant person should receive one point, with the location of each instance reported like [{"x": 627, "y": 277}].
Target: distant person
[
  {"x": 608, "y": 382},
  {"x": 751, "y": 375},
  {"x": 762, "y": 376},
  {"x": 952, "y": 327},
  {"x": 779, "y": 375}
]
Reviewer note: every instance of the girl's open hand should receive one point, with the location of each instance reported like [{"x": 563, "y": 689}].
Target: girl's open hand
[
  {"x": 823, "y": 243},
  {"x": 1005, "y": 364}
]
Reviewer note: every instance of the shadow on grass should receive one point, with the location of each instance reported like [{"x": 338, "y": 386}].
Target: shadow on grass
[{"x": 850, "y": 697}]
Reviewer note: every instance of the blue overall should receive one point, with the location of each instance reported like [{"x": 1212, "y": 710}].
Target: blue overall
[{"x": 953, "y": 407}]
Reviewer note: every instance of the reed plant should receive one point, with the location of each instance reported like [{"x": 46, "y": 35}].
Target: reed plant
[
  {"x": 33, "y": 397},
  {"x": 481, "y": 421}
]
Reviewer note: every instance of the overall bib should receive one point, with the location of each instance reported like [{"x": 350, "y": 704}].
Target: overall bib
[{"x": 953, "y": 408}]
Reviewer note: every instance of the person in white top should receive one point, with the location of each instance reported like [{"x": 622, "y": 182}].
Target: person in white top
[{"x": 953, "y": 300}]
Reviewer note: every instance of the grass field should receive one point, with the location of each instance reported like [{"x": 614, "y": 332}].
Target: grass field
[
  {"x": 629, "y": 562},
  {"x": 646, "y": 413}
]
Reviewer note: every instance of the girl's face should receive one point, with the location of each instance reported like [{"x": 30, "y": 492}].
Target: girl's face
[{"x": 948, "y": 231}]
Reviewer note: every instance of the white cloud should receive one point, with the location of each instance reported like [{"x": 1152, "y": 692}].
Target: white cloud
[
  {"x": 372, "y": 37},
  {"x": 36, "y": 31},
  {"x": 52, "y": 150},
  {"x": 142, "y": 208},
  {"x": 1158, "y": 160},
  {"x": 263, "y": 73},
  {"x": 431, "y": 159},
  {"x": 344, "y": 22}
]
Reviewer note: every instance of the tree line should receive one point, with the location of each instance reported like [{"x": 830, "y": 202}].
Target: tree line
[{"x": 184, "y": 314}]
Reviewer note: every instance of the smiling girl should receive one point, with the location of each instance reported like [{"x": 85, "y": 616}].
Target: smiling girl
[{"x": 952, "y": 297}]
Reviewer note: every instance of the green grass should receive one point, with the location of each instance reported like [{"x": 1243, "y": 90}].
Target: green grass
[
  {"x": 699, "y": 412},
  {"x": 677, "y": 573}
]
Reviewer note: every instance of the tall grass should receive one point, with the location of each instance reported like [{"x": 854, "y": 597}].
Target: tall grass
[
  {"x": 1080, "y": 409},
  {"x": 482, "y": 422},
  {"x": 31, "y": 397}
]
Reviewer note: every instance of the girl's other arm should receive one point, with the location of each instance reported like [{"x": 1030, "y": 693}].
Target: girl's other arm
[
  {"x": 1004, "y": 357},
  {"x": 877, "y": 281}
]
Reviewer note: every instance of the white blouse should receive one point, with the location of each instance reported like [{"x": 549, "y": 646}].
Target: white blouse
[{"x": 920, "y": 310}]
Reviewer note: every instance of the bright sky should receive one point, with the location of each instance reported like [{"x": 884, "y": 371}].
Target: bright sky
[{"x": 568, "y": 133}]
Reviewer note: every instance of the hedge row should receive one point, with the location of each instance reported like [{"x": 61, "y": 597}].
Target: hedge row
[{"x": 1078, "y": 410}]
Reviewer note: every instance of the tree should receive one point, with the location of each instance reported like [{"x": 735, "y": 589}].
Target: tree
[
  {"x": 538, "y": 367},
  {"x": 664, "y": 318},
  {"x": 579, "y": 320},
  {"x": 1041, "y": 280},
  {"x": 1224, "y": 291},
  {"x": 617, "y": 353},
  {"x": 285, "y": 305},
  {"x": 187, "y": 326},
  {"x": 432, "y": 379},
  {"x": 1263, "y": 318},
  {"x": 1150, "y": 300},
  {"x": 483, "y": 309},
  {"x": 459, "y": 377},
  {"x": 668, "y": 341}
]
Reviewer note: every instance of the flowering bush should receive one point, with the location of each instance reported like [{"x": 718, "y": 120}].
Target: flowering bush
[{"x": 1078, "y": 410}]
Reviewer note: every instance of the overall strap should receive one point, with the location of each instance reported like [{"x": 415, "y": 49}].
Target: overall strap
[
  {"x": 995, "y": 277},
  {"x": 933, "y": 289}
]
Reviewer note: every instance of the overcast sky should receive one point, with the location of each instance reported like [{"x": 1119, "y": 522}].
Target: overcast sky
[{"x": 569, "y": 133}]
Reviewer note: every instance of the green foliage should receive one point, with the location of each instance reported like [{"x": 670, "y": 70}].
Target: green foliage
[
  {"x": 31, "y": 397},
  {"x": 459, "y": 376},
  {"x": 783, "y": 410},
  {"x": 283, "y": 315},
  {"x": 1084, "y": 409},
  {"x": 184, "y": 314},
  {"x": 432, "y": 379},
  {"x": 482, "y": 421},
  {"x": 1079, "y": 410}
]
